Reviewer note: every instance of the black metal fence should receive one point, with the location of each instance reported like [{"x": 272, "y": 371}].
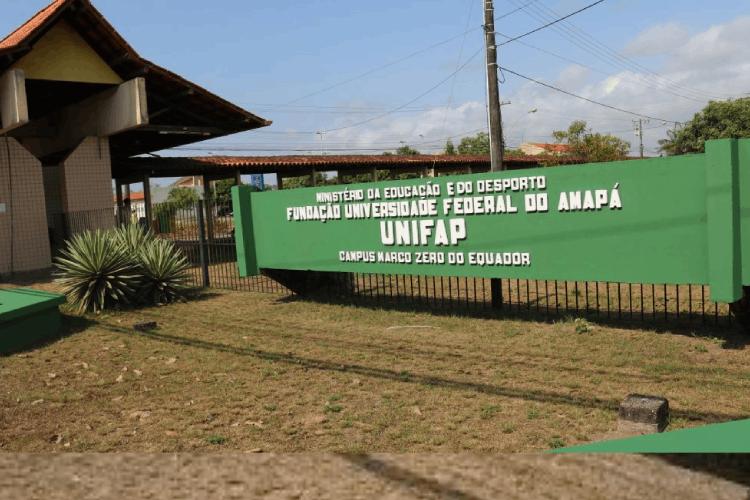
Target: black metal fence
[{"x": 205, "y": 233}]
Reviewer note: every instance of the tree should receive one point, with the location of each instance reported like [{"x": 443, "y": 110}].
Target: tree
[
  {"x": 180, "y": 197},
  {"x": 477, "y": 145},
  {"x": 304, "y": 181},
  {"x": 590, "y": 146},
  {"x": 450, "y": 149},
  {"x": 222, "y": 192},
  {"x": 407, "y": 150},
  {"x": 718, "y": 120}
]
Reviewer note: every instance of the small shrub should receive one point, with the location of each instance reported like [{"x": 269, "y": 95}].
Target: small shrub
[
  {"x": 334, "y": 408},
  {"x": 100, "y": 269},
  {"x": 217, "y": 440},
  {"x": 556, "y": 443},
  {"x": 96, "y": 272},
  {"x": 581, "y": 326},
  {"x": 164, "y": 271},
  {"x": 133, "y": 239},
  {"x": 489, "y": 411}
]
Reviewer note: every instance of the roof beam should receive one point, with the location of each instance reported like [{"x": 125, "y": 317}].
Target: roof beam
[
  {"x": 183, "y": 130},
  {"x": 171, "y": 104},
  {"x": 107, "y": 113},
  {"x": 14, "y": 108}
]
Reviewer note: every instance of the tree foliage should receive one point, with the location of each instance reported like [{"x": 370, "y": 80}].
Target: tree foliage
[
  {"x": 477, "y": 145},
  {"x": 450, "y": 149},
  {"x": 591, "y": 146},
  {"x": 222, "y": 192},
  {"x": 718, "y": 120},
  {"x": 407, "y": 150},
  {"x": 181, "y": 197}
]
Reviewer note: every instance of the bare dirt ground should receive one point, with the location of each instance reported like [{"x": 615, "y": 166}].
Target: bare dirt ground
[{"x": 313, "y": 476}]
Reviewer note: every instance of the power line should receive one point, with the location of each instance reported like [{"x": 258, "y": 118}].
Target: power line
[
  {"x": 384, "y": 66},
  {"x": 583, "y": 40},
  {"x": 412, "y": 101},
  {"x": 405, "y": 58},
  {"x": 615, "y": 108},
  {"x": 507, "y": 14},
  {"x": 639, "y": 81},
  {"x": 458, "y": 65},
  {"x": 638, "y": 65},
  {"x": 540, "y": 28}
]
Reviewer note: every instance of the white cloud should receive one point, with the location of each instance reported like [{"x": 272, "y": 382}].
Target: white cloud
[
  {"x": 659, "y": 39},
  {"x": 710, "y": 64}
]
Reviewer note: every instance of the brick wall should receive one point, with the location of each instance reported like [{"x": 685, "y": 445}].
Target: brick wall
[
  {"x": 86, "y": 183},
  {"x": 24, "y": 236}
]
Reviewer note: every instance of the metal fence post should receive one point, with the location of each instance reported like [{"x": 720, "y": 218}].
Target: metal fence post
[
  {"x": 496, "y": 292},
  {"x": 202, "y": 244}
]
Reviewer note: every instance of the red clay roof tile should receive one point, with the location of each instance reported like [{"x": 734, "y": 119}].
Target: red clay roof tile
[{"x": 29, "y": 27}]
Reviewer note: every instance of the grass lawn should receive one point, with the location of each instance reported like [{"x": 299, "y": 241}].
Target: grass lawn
[{"x": 246, "y": 371}]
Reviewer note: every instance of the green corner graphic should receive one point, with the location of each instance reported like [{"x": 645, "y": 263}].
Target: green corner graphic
[{"x": 732, "y": 437}]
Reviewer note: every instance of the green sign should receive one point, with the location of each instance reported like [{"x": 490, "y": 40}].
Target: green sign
[{"x": 676, "y": 220}]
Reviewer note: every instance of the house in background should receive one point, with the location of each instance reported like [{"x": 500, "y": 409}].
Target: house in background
[{"x": 544, "y": 149}]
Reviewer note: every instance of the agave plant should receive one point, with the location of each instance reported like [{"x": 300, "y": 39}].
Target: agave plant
[
  {"x": 164, "y": 271},
  {"x": 133, "y": 239},
  {"x": 96, "y": 272}
]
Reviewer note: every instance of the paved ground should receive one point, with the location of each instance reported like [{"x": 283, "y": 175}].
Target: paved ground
[{"x": 309, "y": 476}]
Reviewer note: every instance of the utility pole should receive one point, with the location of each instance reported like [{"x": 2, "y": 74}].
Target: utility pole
[
  {"x": 639, "y": 133},
  {"x": 322, "y": 134},
  {"x": 493, "y": 90}
]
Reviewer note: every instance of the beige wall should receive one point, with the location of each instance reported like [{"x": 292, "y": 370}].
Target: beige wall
[
  {"x": 86, "y": 183},
  {"x": 63, "y": 55},
  {"x": 24, "y": 237}
]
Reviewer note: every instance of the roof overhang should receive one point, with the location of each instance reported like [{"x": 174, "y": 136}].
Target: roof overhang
[
  {"x": 291, "y": 166},
  {"x": 180, "y": 112}
]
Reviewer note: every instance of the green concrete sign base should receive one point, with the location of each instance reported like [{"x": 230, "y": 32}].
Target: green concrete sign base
[{"x": 27, "y": 317}]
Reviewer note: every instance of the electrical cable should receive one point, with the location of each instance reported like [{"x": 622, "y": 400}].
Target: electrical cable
[
  {"x": 588, "y": 43},
  {"x": 412, "y": 101},
  {"x": 615, "y": 108},
  {"x": 552, "y": 23}
]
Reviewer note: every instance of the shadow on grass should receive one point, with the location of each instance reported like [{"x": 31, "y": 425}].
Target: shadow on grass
[
  {"x": 732, "y": 467},
  {"x": 695, "y": 325},
  {"x": 540, "y": 396},
  {"x": 70, "y": 325},
  {"x": 405, "y": 478}
]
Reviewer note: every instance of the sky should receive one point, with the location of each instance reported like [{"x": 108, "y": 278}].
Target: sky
[{"x": 665, "y": 59}]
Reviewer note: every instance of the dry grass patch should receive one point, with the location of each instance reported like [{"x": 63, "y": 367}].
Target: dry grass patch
[{"x": 243, "y": 371}]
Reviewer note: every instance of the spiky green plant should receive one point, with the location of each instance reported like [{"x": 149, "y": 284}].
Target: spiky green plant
[
  {"x": 164, "y": 271},
  {"x": 133, "y": 238},
  {"x": 96, "y": 272}
]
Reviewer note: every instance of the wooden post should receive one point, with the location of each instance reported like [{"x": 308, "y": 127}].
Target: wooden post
[
  {"x": 238, "y": 177},
  {"x": 339, "y": 177},
  {"x": 280, "y": 181},
  {"x": 147, "y": 200},
  {"x": 374, "y": 174},
  {"x": 313, "y": 178},
  {"x": 493, "y": 90}
]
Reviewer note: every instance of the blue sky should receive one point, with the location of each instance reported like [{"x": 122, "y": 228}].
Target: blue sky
[{"x": 264, "y": 55}]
